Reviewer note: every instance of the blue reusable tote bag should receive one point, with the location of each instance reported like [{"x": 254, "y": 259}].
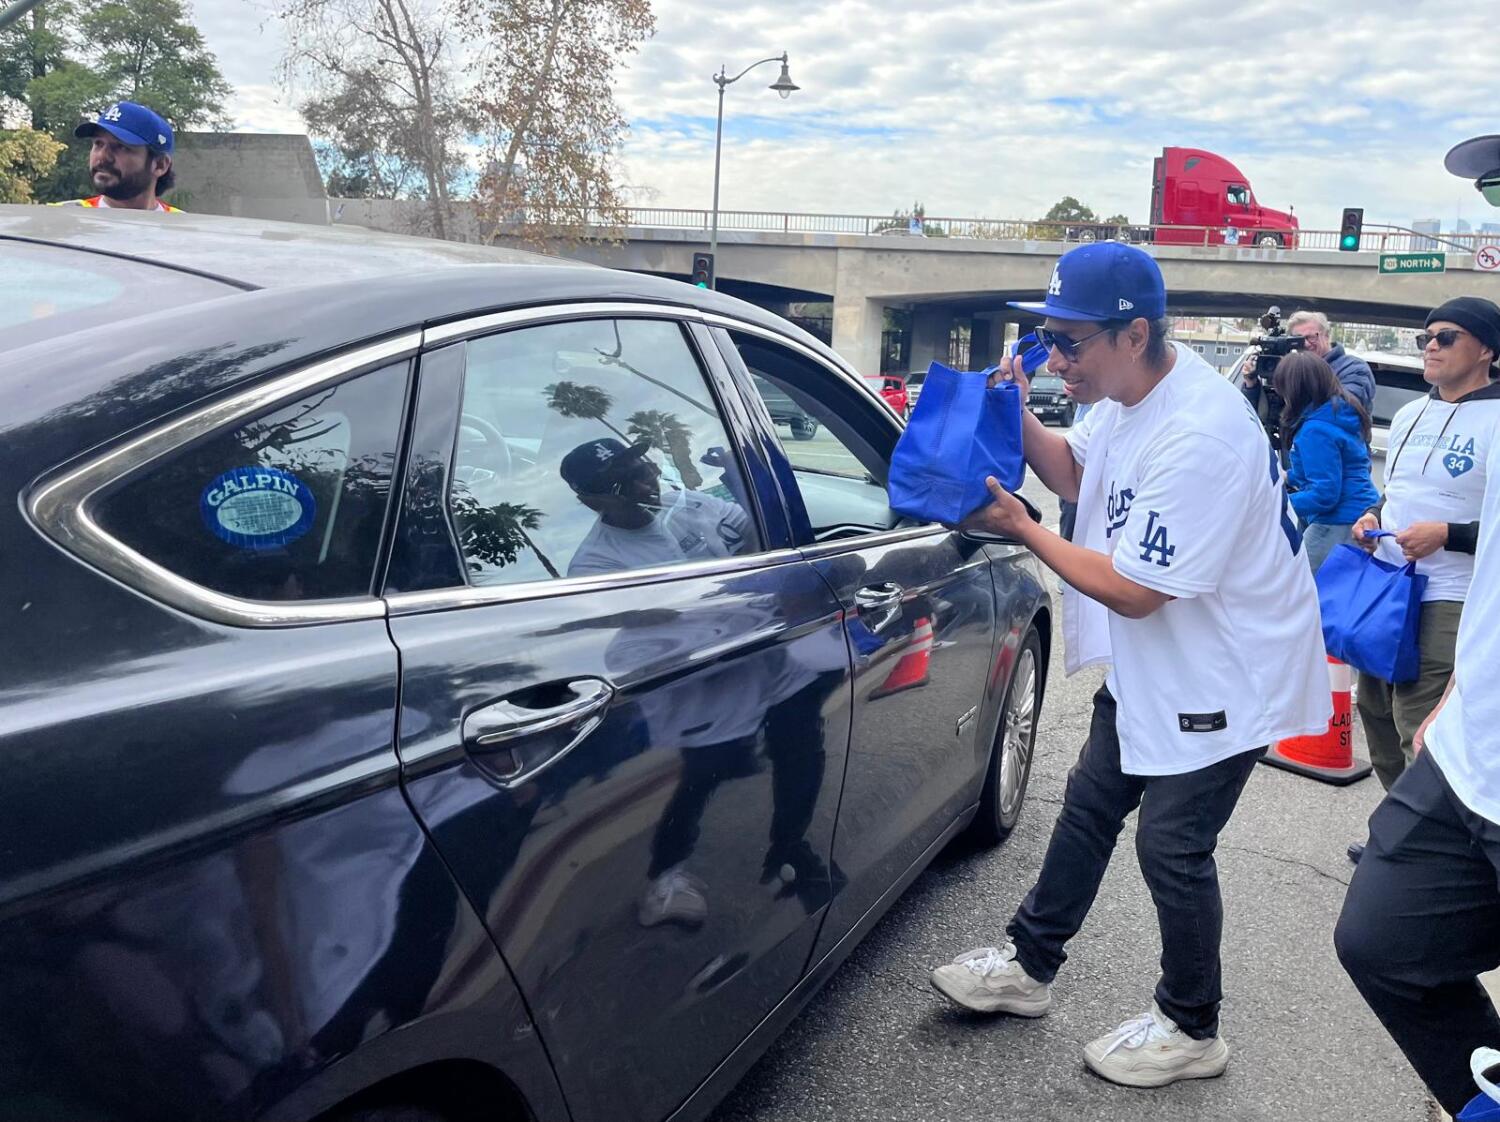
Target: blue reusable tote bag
[
  {"x": 960, "y": 431},
  {"x": 1371, "y": 612}
]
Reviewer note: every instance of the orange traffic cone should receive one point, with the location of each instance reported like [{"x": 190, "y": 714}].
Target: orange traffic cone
[
  {"x": 910, "y": 670},
  {"x": 1328, "y": 756}
]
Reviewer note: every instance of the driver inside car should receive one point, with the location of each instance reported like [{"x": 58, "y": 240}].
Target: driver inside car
[{"x": 639, "y": 526}]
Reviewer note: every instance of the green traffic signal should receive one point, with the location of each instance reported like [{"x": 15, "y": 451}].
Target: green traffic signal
[
  {"x": 1351, "y": 241},
  {"x": 702, "y": 284}
]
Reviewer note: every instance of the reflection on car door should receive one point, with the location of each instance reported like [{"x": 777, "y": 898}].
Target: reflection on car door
[
  {"x": 920, "y": 615},
  {"x": 625, "y": 701}
]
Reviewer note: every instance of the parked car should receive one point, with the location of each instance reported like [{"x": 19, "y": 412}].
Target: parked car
[
  {"x": 1049, "y": 401},
  {"x": 436, "y": 692},
  {"x": 892, "y": 390},
  {"x": 785, "y": 411}
]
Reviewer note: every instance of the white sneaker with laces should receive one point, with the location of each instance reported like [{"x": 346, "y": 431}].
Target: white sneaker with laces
[
  {"x": 990, "y": 980},
  {"x": 674, "y": 897},
  {"x": 1151, "y": 1051}
]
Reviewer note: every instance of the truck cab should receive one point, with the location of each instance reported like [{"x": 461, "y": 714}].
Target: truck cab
[{"x": 1191, "y": 187}]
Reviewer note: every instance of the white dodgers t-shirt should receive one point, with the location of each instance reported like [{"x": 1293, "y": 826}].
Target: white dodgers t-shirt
[
  {"x": 690, "y": 526},
  {"x": 1464, "y": 739},
  {"x": 1185, "y": 494}
]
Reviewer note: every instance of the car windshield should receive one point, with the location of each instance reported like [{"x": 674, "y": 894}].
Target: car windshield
[
  {"x": 51, "y": 290},
  {"x": 1049, "y": 382}
]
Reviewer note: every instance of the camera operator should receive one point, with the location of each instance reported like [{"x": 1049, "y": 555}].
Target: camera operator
[{"x": 1313, "y": 329}]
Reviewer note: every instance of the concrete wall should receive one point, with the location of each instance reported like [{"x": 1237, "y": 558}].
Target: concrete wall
[{"x": 249, "y": 175}]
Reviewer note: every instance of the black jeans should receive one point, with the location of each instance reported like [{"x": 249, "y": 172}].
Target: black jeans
[
  {"x": 1181, "y": 816},
  {"x": 1421, "y": 922}
]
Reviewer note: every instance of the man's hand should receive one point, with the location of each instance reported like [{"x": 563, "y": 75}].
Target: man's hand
[
  {"x": 1367, "y": 522},
  {"x": 1009, "y": 370},
  {"x": 1004, "y": 517},
  {"x": 1421, "y": 539}
]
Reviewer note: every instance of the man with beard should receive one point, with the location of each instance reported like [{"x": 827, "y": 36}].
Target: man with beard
[{"x": 130, "y": 161}]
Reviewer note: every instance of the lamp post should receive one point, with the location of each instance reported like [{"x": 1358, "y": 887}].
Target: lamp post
[{"x": 784, "y": 86}]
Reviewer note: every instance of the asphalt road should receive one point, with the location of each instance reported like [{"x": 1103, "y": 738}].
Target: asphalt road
[{"x": 879, "y": 1043}]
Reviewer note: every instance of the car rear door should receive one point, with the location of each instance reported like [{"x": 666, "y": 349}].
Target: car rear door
[
  {"x": 625, "y": 699},
  {"x": 919, "y": 606}
]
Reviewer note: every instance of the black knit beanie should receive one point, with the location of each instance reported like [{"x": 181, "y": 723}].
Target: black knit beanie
[{"x": 1476, "y": 315}]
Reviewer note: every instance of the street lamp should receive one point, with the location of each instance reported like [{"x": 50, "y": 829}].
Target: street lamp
[{"x": 784, "y": 86}]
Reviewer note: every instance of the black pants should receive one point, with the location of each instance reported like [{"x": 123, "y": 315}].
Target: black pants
[
  {"x": 1181, "y": 816},
  {"x": 1421, "y": 922}
]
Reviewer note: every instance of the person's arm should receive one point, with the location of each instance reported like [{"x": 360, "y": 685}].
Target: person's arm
[
  {"x": 1048, "y": 453},
  {"x": 1090, "y": 572},
  {"x": 1322, "y": 475},
  {"x": 1419, "y": 741}
]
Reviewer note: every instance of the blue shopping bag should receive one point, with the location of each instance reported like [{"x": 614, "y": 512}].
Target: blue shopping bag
[
  {"x": 1485, "y": 1106},
  {"x": 960, "y": 431},
  {"x": 1371, "y": 612}
]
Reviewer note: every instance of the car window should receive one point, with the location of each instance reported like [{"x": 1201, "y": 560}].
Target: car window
[
  {"x": 592, "y": 447},
  {"x": 49, "y": 290},
  {"x": 288, "y": 506},
  {"x": 1393, "y": 389},
  {"x": 838, "y": 450},
  {"x": 1048, "y": 383},
  {"x": 1239, "y": 196}
]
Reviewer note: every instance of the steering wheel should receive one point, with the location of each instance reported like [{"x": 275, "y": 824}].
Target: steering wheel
[{"x": 495, "y": 456}]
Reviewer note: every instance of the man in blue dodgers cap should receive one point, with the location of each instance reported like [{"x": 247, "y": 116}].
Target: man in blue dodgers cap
[
  {"x": 1185, "y": 576},
  {"x": 130, "y": 160}
]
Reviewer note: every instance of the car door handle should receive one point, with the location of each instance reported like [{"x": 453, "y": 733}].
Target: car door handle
[
  {"x": 519, "y": 738},
  {"x": 879, "y": 605}
]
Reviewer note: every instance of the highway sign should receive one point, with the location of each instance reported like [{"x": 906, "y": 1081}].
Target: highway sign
[
  {"x": 1412, "y": 263},
  {"x": 1487, "y": 257}
]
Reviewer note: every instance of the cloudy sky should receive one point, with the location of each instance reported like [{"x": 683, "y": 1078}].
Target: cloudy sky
[{"x": 999, "y": 108}]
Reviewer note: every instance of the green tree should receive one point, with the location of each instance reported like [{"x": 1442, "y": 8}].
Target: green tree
[
  {"x": 1069, "y": 209},
  {"x": 666, "y": 432},
  {"x": 33, "y": 47},
  {"x": 26, "y": 156},
  {"x": 574, "y": 399},
  {"x": 145, "y": 50}
]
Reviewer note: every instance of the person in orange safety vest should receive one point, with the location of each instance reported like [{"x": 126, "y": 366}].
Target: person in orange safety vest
[{"x": 130, "y": 160}]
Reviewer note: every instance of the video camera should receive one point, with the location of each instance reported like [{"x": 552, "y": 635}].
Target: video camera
[{"x": 1270, "y": 349}]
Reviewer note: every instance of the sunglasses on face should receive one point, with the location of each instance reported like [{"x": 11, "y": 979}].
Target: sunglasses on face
[
  {"x": 1445, "y": 338},
  {"x": 1070, "y": 347}
]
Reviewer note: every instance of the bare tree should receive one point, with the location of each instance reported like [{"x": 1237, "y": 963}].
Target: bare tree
[
  {"x": 388, "y": 56},
  {"x": 544, "y": 75}
]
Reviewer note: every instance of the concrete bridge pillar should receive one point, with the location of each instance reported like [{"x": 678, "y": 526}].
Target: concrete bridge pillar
[
  {"x": 858, "y": 321},
  {"x": 931, "y": 328},
  {"x": 987, "y": 340}
]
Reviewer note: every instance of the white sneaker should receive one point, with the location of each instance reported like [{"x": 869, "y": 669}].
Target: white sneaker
[
  {"x": 990, "y": 980},
  {"x": 674, "y": 897},
  {"x": 1151, "y": 1051}
]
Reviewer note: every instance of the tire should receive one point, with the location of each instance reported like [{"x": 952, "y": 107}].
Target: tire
[
  {"x": 1268, "y": 241},
  {"x": 804, "y": 430},
  {"x": 1014, "y": 750},
  {"x": 1086, "y": 236}
]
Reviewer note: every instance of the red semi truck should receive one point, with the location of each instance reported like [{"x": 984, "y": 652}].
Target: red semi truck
[{"x": 1194, "y": 188}]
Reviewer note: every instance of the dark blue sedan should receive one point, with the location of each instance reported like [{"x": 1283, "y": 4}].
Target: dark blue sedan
[{"x": 434, "y": 689}]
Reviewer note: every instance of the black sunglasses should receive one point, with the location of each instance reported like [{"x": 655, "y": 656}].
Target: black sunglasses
[
  {"x": 1445, "y": 338},
  {"x": 1055, "y": 341}
]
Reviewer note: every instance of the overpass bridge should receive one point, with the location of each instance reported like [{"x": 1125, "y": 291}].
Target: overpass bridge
[{"x": 969, "y": 274}]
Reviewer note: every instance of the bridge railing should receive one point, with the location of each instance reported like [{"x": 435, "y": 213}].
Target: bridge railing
[{"x": 1376, "y": 239}]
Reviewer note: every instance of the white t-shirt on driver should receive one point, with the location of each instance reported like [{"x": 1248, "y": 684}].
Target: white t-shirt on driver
[
  {"x": 1184, "y": 493},
  {"x": 690, "y": 526}
]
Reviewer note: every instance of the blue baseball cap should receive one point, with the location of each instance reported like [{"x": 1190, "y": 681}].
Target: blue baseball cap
[
  {"x": 1104, "y": 280},
  {"x": 134, "y": 124}
]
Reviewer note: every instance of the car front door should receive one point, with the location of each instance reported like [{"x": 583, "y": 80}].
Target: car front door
[
  {"x": 919, "y": 608},
  {"x": 625, "y": 699}
]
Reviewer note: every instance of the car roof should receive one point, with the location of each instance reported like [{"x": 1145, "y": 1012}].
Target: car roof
[{"x": 251, "y": 252}]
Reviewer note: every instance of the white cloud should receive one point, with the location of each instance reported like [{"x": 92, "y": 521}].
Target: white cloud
[{"x": 1000, "y": 107}]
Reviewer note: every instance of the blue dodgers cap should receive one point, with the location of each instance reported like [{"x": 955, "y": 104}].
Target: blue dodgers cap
[
  {"x": 1105, "y": 280},
  {"x": 590, "y": 469},
  {"x": 131, "y": 123}
]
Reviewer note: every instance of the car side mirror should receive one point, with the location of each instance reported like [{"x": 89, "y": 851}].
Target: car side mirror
[{"x": 1002, "y": 539}]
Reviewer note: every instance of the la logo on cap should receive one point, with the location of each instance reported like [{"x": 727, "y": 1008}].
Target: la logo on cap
[
  {"x": 113, "y": 114},
  {"x": 1055, "y": 288}
]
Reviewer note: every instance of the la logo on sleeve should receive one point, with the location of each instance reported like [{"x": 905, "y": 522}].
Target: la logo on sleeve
[{"x": 1154, "y": 544}]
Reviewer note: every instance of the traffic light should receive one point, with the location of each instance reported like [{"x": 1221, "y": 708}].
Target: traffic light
[
  {"x": 703, "y": 270},
  {"x": 1349, "y": 228}
]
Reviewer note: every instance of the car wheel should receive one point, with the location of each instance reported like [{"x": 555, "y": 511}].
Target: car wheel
[
  {"x": 1086, "y": 236},
  {"x": 1015, "y": 745},
  {"x": 1268, "y": 241},
  {"x": 804, "y": 430}
]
